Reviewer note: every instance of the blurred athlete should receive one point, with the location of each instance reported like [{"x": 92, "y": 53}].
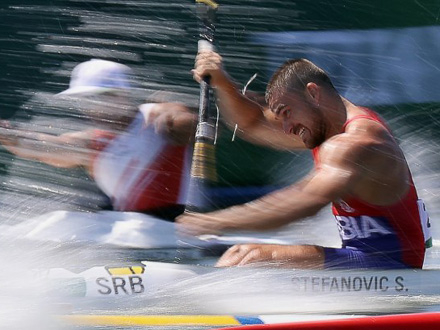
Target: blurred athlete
[
  {"x": 359, "y": 169},
  {"x": 137, "y": 154}
]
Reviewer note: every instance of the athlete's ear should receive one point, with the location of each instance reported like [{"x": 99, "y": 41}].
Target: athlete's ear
[{"x": 313, "y": 93}]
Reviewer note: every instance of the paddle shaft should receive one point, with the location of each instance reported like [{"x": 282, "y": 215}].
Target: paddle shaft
[{"x": 203, "y": 170}]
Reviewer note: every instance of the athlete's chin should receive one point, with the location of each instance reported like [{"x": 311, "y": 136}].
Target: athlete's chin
[{"x": 310, "y": 143}]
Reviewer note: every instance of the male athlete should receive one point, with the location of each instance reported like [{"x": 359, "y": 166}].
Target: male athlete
[
  {"x": 138, "y": 155},
  {"x": 359, "y": 169}
]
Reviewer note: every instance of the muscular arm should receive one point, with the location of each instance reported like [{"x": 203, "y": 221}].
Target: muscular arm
[
  {"x": 356, "y": 164},
  {"x": 66, "y": 150},
  {"x": 255, "y": 123}
]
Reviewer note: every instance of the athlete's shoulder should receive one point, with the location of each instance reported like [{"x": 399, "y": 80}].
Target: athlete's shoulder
[
  {"x": 348, "y": 143},
  {"x": 351, "y": 149}
]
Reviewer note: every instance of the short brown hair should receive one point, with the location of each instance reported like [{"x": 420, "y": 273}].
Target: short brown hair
[{"x": 295, "y": 75}]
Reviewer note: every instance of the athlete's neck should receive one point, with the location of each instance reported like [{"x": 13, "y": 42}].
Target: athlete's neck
[{"x": 336, "y": 114}]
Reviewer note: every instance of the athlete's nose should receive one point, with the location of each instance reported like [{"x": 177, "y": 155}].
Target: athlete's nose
[{"x": 286, "y": 126}]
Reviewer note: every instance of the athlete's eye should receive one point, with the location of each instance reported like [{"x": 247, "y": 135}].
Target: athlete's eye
[
  {"x": 285, "y": 113},
  {"x": 282, "y": 112}
]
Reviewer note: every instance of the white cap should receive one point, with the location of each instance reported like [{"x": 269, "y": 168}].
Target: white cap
[{"x": 97, "y": 76}]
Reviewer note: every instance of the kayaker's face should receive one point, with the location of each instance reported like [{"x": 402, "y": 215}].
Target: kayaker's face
[{"x": 299, "y": 117}]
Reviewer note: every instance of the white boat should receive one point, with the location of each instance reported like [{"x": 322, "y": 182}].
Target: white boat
[
  {"x": 175, "y": 289},
  {"x": 243, "y": 290}
]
